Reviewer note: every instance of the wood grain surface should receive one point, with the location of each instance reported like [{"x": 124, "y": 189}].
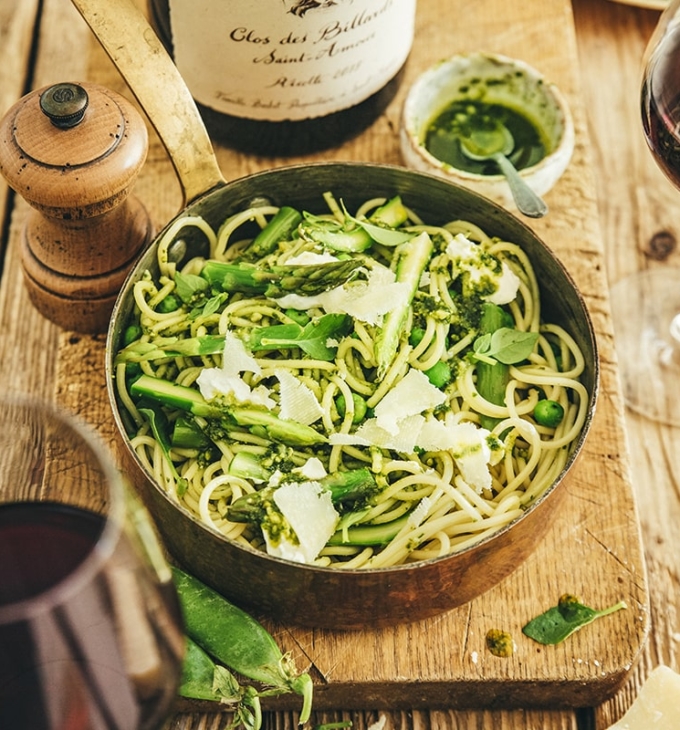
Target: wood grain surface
[{"x": 610, "y": 167}]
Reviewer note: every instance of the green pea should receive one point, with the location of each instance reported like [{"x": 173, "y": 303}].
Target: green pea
[
  {"x": 439, "y": 374},
  {"x": 548, "y": 413},
  {"x": 298, "y": 316},
  {"x": 132, "y": 333},
  {"x": 133, "y": 370},
  {"x": 360, "y": 407},
  {"x": 168, "y": 304},
  {"x": 416, "y": 336}
]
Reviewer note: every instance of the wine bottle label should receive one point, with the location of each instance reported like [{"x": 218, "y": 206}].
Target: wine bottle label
[{"x": 280, "y": 60}]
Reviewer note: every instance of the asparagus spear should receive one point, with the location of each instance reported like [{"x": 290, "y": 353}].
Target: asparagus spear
[
  {"x": 280, "y": 280},
  {"x": 347, "y": 486},
  {"x": 355, "y": 235},
  {"x": 188, "y": 399},
  {"x": 413, "y": 259}
]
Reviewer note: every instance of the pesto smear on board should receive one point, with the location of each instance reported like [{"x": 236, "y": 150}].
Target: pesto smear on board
[{"x": 464, "y": 116}]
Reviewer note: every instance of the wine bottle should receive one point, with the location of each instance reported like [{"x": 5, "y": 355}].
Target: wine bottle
[{"x": 288, "y": 77}]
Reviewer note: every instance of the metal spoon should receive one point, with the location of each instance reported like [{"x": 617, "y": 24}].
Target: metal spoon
[{"x": 495, "y": 144}]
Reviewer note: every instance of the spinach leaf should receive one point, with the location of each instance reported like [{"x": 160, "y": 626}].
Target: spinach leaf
[{"x": 557, "y": 623}]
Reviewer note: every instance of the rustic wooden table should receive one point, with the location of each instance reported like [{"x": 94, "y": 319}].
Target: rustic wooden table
[{"x": 605, "y": 213}]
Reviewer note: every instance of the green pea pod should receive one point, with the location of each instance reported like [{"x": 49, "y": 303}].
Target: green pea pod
[{"x": 238, "y": 641}]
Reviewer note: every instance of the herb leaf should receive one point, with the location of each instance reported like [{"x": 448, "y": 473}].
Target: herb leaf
[
  {"x": 506, "y": 345},
  {"x": 188, "y": 286},
  {"x": 312, "y": 338},
  {"x": 384, "y": 236},
  {"x": 557, "y": 623},
  {"x": 160, "y": 429}
]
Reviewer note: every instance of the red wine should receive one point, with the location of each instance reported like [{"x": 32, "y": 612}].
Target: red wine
[
  {"x": 72, "y": 659},
  {"x": 661, "y": 106},
  {"x": 41, "y": 543}
]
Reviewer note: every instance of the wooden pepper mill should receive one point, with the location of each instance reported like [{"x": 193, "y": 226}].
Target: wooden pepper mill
[{"x": 73, "y": 152}]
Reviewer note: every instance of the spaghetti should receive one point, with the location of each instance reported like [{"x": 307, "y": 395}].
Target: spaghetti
[{"x": 449, "y": 462}]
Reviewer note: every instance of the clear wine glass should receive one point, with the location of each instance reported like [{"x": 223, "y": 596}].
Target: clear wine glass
[
  {"x": 646, "y": 305},
  {"x": 91, "y": 636}
]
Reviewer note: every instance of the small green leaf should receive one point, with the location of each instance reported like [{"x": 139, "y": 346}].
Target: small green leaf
[
  {"x": 384, "y": 236},
  {"x": 510, "y": 346},
  {"x": 557, "y": 623},
  {"x": 188, "y": 285},
  {"x": 161, "y": 431},
  {"x": 312, "y": 338},
  {"x": 506, "y": 345}
]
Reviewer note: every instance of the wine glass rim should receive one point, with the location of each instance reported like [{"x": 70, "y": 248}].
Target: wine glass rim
[{"x": 113, "y": 516}]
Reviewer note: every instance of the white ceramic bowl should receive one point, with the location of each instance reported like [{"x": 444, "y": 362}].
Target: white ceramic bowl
[{"x": 493, "y": 79}]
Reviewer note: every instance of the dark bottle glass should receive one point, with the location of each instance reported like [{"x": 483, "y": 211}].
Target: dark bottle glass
[{"x": 288, "y": 77}]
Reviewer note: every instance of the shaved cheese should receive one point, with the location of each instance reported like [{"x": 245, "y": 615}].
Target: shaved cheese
[
  {"x": 367, "y": 301},
  {"x": 298, "y": 402},
  {"x": 413, "y": 394},
  {"x": 309, "y": 510},
  {"x": 508, "y": 284},
  {"x": 657, "y": 705},
  {"x": 235, "y": 358},
  {"x": 403, "y": 439},
  {"x": 472, "y": 454},
  {"x": 226, "y": 381},
  {"x": 468, "y": 256},
  {"x": 313, "y": 469}
]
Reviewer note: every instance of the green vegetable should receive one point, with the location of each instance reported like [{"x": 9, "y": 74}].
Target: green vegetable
[
  {"x": 256, "y": 507},
  {"x": 492, "y": 375},
  {"x": 188, "y": 399},
  {"x": 169, "y": 303},
  {"x": 548, "y": 413},
  {"x": 190, "y": 287},
  {"x": 278, "y": 281},
  {"x": 439, "y": 374},
  {"x": 187, "y": 434},
  {"x": 360, "y": 407},
  {"x": 132, "y": 332},
  {"x": 412, "y": 259},
  {"x": 368, "y": 534},
  {"x": 416, "y": 336},
  {"x": 312, "y": 339},
  {"x": 203, "y": 679},
  {"x": 171, "y": 347},
  {"x": 280, "y": 228},
  {"x": 160, "y": 428},
  {"x": 497, "y": 347},
  {"x": 559, "y": 622},
  {"x": 239, "y": 642},
  {"x": 354, "y": 234}
]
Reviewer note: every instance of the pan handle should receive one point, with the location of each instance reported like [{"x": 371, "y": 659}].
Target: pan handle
[{"x": 153, "y": 78}]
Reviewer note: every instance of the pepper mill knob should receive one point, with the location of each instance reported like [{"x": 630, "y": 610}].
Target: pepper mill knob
[
  {"x": 64, "y": 104},
  {"x": 73, "y": 152}
]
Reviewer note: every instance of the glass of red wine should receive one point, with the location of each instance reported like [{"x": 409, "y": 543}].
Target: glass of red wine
[
  {"x": 646, "y": 305},
  {"x": 91, "y": 636}
]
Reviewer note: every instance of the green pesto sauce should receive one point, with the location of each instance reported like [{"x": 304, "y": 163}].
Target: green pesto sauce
[
  {"x": 462, "y": 116},
  {"x": 500, "y": 643}
]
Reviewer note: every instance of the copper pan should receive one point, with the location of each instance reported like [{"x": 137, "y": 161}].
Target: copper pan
[{"x": 301, "y": 594}]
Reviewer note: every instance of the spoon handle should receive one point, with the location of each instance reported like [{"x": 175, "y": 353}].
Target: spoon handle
[{"x": 527, "y": 201}]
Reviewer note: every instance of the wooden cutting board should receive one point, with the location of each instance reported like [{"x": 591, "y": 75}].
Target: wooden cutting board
[{"x": 593, "y": 549}]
